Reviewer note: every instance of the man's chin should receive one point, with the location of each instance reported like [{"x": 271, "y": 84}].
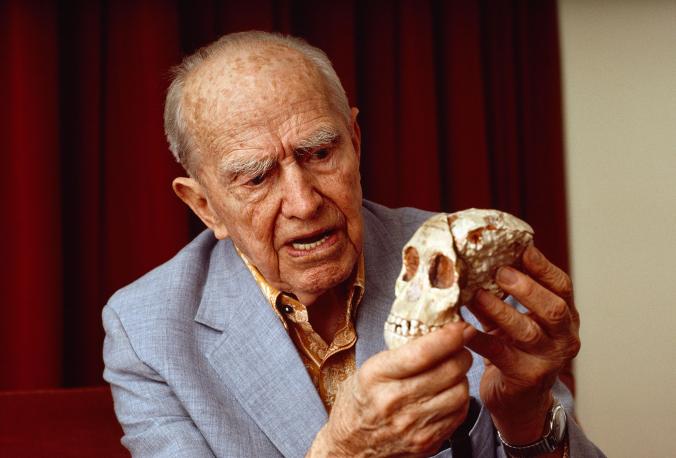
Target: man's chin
[{"x": 314, "y": 282}]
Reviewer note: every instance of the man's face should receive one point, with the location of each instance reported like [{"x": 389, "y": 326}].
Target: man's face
[{"x": 279, "y": 169}]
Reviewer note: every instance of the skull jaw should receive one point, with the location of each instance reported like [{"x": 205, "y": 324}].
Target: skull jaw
[{"x": 400, "y": 330}]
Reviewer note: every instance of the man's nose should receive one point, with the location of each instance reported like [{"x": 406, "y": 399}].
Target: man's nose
[{"x": 300, "y": 198}]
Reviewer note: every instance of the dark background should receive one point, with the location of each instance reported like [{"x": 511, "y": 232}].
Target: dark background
[{"x": 460, "y": 107}]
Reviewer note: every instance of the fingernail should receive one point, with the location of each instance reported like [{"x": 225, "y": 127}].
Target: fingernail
[
  {"x": 458, "y": 324},
  {"x": 535, "y": 255},
  {"x": 506, "y": 276},
  {"x": 468, "y": 333}
]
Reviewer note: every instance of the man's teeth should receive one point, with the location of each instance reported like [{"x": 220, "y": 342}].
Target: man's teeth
[{"x": 309, "y": 246}]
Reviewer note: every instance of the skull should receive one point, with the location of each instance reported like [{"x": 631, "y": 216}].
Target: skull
[
  {"x": 448, "y": 258},
  {"x": 427, "y": 288}
]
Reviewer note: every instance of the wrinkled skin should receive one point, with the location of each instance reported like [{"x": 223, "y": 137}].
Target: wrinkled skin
[{"x": 238, "y": 117}]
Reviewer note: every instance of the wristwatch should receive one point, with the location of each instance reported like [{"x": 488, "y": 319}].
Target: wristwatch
[{"x": 552, "y": 437}]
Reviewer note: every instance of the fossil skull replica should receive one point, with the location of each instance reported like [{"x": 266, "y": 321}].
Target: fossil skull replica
[{"x": 448, "y": 258}]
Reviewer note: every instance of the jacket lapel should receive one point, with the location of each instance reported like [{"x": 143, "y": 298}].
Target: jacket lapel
[
  {"x": 255, "y": 357},
  {"x": 382, "y": 258}
]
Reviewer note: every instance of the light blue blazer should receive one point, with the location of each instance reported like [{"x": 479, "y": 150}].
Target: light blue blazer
[{"x": 199, "y": 365}]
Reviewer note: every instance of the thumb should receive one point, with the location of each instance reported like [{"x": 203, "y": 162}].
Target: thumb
[{"x": 422, "y": 353}]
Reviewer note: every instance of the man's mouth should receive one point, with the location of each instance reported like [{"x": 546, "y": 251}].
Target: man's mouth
[{"x": 311, "y": 242}]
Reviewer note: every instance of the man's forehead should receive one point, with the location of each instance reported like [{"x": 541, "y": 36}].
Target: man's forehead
[
  {"x": 249, "y": 88},
  {"x": 274, "y": 132},
  {"x": 239, "y": 79}
]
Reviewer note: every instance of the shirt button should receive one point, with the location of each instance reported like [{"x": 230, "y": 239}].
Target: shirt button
[{"x": 285, "y": 308}]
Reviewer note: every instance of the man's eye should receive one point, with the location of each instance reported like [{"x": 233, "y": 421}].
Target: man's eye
[
  {"x": 257, "y": 180},
  {"x": 320, "y": 153}
]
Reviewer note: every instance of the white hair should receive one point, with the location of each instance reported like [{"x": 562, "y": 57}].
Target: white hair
[{"x": 181, "y": 143}]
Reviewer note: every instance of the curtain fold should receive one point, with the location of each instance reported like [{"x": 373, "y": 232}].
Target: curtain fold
[
  {"x": 459, "y": 104},
  {"x": 31, "y": 280}
]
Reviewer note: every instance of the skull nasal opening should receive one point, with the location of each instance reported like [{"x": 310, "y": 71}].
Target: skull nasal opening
[
  {"x": 441, "y": 272},
  {"x": 411, "y": 261}
]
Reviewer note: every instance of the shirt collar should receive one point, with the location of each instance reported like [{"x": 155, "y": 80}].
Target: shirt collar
[{"x": 272, "y": 294}]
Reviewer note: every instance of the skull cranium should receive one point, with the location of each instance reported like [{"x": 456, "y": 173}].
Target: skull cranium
[{"x": 448, "y": 258}]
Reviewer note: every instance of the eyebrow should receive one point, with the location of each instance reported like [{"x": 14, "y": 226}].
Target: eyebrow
[
  {"x": 249, "y": 166},
  {"x": 324, "y": 136}
]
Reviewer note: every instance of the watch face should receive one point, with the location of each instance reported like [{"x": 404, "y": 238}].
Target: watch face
[{"x": 559, "y": 423}]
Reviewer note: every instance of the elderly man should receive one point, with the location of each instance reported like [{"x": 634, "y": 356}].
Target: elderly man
[{"x": 263, "y": 336}]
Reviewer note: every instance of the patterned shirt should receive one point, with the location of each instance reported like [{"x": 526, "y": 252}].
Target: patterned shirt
[{"x": 328, "y": 364}]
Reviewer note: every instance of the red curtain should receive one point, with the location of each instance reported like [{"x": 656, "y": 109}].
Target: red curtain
[{"x": 460, "y": 106}]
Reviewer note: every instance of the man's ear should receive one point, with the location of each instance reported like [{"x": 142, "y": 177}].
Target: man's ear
[
  {"x": 356, "y": 132},
  {"x": 194, "y": 195}
]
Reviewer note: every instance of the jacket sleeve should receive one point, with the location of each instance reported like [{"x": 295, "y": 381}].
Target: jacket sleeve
[
  {"x": 579, "y": 446},
  {"x": 154, "y": 421}
]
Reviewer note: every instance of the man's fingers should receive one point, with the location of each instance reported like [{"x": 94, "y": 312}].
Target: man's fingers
[
  {"x": 550, "y": 310},
  {"x": 486, "y": 322},
  {"x": 518, "y": 326},
  {"x": 418, "y": 355},
  {"x": 435, "y": 420},
  {"x": 451, "y": 400},
  {"x": 439, "y": 378},
  {"x": 548, "y": 275},
  {"x": 491, "y": 347}
]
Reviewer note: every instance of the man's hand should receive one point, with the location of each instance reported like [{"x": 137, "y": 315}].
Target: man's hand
[
  {"x": 401, "y": 402},
  {"x": 524, "y": 352}
]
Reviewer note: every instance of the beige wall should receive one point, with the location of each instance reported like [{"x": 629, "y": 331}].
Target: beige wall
[{"x": 619, "y": 68}]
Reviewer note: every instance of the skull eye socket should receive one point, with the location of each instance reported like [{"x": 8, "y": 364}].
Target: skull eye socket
[
  {"x": 441, "y": 272},
  {"x": 411, "y": 261}
]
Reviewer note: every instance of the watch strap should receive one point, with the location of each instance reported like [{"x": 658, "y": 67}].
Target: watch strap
[{"x": 552, "y": 437}]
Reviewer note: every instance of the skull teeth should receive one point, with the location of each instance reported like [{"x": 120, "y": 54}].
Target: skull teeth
[{"x": 407, "y": 328}]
